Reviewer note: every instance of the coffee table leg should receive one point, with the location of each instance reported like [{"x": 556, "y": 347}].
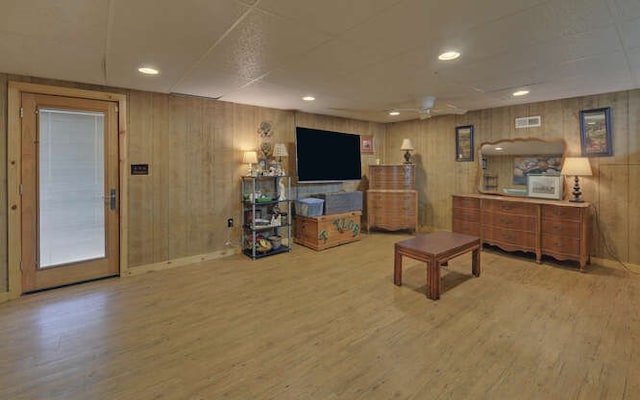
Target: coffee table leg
[
  {"x": 433, "y": 280},
  {"x": 475, "y": 263},
  {"x": 397, "y": 268}
]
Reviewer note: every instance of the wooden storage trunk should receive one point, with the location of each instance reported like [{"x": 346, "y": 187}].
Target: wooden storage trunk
[
  {"x": 326, "y": 231},
  {"x": 341, "y": 202}
]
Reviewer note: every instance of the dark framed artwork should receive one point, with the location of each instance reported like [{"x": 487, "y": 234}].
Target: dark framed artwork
[
  {"x": 464, "y": 143},
  {"x": 595, "y": 132},
  {"x": 366, "y": 144}
]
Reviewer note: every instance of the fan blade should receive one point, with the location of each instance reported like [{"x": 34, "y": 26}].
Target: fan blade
[{"x": 428, "y": 102}]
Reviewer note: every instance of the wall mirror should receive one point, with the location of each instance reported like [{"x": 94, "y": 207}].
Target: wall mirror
[{"x": 505, "y": 164}]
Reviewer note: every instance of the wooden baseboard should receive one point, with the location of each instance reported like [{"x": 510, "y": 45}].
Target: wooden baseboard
[
  {"x": 4, "y": 296},
  {"x": 178, "y": 262},
  {"x": 605, "y": 262}
]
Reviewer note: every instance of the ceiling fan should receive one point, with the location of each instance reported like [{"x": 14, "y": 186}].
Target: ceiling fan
[{"x": 429, "y": 108}]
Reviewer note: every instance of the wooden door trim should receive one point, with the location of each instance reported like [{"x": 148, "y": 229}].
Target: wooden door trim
[{"x": 15, "y": 91}]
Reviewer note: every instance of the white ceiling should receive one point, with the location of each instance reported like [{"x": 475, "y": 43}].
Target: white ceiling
[{"x": 359, "y": 58}]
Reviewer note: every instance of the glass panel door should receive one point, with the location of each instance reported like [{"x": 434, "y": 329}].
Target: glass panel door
[
  {"x": 71, "y": 178},
  {"x": 70, "y": 184}
]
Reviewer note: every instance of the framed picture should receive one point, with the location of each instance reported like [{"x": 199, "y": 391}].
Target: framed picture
[
  {"x": 595, "y": 132},
  {"x": 544, "y": 186},
  {"x": 464, "y": 143},
  {"x": 366, "y": 144},
  {"x": 535, "y": 165}
]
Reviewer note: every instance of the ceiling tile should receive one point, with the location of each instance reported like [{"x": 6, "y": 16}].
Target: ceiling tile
[
  {"x": 634, "y": 65},
  {"x": 625, "y": 9},
  {"x": 630, "y": 33},
  {"x": 259, "y": 43},
  {"x": 171, "y": 36},
  {"x": 329, "y": 16},
  {"x": 82, "y": 23},
  {"x": 50, "y": 59},
  {"x": 213, "y": 85},
  {"x": 505, "y": 70}
]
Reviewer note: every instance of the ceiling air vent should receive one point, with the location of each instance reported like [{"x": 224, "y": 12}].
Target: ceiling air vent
[{"x": 528, "y": 122}]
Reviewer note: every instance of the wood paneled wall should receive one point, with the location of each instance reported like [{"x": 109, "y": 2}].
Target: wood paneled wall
[
  {"x": 194, "y": 150},
  {"x": 614, "y": 189},
  {"x": 4, "y": 231}
]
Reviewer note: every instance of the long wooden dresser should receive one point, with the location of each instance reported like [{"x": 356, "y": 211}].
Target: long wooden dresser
[
  {"x": 559, "y": 229},
  {"x": 392, "y": 201}
]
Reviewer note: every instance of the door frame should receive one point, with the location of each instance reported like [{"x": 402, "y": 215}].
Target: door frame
[{"x": 14, "y": 160}]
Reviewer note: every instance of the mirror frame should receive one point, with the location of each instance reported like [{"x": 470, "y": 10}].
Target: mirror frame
[{"x": 525, "y": 139}]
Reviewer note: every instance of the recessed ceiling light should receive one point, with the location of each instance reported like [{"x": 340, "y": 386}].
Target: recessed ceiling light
[
  {"x": 521, "y": 93},
  {"x": 449, "y": 55},
  {"x": 394, "y": 113},
  {"x": 308, "y": 98},
  {"x": 149, "y": 70},
  {"x": 499, "y": 148}
]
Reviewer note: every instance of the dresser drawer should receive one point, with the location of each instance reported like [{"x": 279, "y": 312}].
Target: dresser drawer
[
  {"x": 466, "y": 214},
  {"x": 466, "y": 227},
  {"x": 392, "y": 177},
  {"x": 509, "y": 207},
  {"x": 560, "y": 227},
  {"x": 515, "y": 238},
  {"x": 392, "y": 209},
  {"x": 402, "y": 200},
  {"x": 392, "y": 222},
  {"x": 525, "y": 223},
  {"x": 466, "y": 202},
  {"x": 558, "y": 212},
  {"x": 552, "y": 244}
]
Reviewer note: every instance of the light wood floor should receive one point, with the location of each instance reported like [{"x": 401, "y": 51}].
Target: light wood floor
[{"x": 329, "y": 325}]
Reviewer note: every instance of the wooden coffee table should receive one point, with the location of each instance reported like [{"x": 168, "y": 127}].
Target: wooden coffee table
[{"x": 436, "y": 249}]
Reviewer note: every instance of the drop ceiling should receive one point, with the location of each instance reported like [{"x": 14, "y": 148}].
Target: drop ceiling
[{"x": 359, "y": 58}]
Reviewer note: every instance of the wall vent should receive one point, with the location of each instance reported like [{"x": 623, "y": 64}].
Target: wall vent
[{"x": 528, "y": 122}]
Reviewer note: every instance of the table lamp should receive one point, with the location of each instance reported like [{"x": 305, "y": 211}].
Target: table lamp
[
  {"x": 280, "y": 150},
  {"x": 576, "y": 166},
  {"x": 250, "y": 157},
  {"x": 407, "y": 147}
]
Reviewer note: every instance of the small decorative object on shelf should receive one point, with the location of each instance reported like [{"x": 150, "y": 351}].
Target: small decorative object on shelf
[
  {"x": 280, "y": 150},
  {"x": 266, "y": 206}
]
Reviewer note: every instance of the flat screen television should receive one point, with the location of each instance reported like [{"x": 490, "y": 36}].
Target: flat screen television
[{"x": 325, "y": 156}]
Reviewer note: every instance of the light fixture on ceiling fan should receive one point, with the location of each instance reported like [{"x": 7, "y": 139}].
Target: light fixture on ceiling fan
[{"x": 428, "y": 108}]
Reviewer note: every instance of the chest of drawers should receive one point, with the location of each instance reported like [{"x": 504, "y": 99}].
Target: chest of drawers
[
  {"x": 392, "y": 210},
  {"x": 392, "y": 201},
  {"x": 555, "y": 228}
]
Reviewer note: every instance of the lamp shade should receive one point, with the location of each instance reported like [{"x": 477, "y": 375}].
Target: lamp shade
[
  {"x": 576, "y": 166},
  {"x": 406, "y": 145},
  {"x": 250, "y": 157},
  {"x": 280, "y": 150}
]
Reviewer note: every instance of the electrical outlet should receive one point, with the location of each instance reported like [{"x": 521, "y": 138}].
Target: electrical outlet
[{"x": 230, "y": 223}]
